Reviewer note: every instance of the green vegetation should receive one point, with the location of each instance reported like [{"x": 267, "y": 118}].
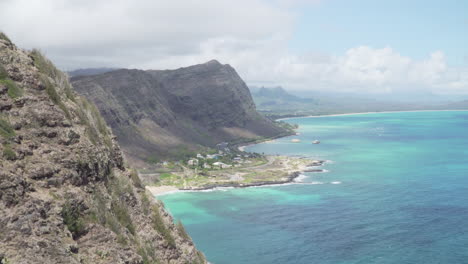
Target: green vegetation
[
  {"x": 95, "y": 124},
  {"x": 136, "y": 179},
  {"x": 153, "y": 159},
  {"x": 43, "y": 64},
  {"x": 3, "y": 73},
  {"x": 54, "y": 96},
  {"x": 73, "y": 220},
  {"x": 119, "y": 186},
  {"x": 122, "y": 240},
  {"x": 105, "y": 217},
  {"x": 47, "y": 68},
  {"x": 54, "y": 195},
  {"x": 287, "y": 126},
  {"x": 166, "y": 175},
  {"x": 100, "y": 123},
  {"x": 182, "y": 153},
  {"x": 120, "y": 210},
  {"x": 83, "y": 111},
  {"x": 171, "y": 179},
  {"x": 240, "y": 141},
  {"x": 118, "y": 216},
  {"x": 147, "y": 253},
  {"x": 145, "y": 204},
  {"x": 4, "y": 37},
  {"x": 5, "y": 260},
  {"x": 201, "y": 257},
  {"x": 159, "y": 225},
  {"x": 69, "y": 91},
  {"x": 13, "y": 90},
  {"x": 181, "y": 230},
  {"x": 50, "y": 90},
  {"x": 6, "y": 130},
  {"x": 8, "y": 153},
  {"x": 102, "y": 254},
  {"x": 144, "y": 255}
]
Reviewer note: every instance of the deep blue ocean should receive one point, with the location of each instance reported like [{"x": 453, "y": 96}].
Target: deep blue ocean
[{"x": 396, "y": 191}]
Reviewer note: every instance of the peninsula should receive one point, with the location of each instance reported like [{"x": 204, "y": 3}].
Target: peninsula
[{"x": 232, "y": 169}]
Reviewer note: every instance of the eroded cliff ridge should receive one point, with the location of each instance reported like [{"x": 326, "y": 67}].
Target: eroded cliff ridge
[
  {"x": 65, "y": 194},
  {"x": 162, "y": 113}
]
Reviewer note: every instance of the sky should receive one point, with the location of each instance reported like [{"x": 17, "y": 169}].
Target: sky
[{"x": 375, "y": 47}]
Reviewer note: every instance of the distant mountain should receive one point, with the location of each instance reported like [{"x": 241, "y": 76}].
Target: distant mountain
[
  {"x": 90, "y": 71},
  {"x": 164, "y": 114},
  {"x": 278, "y": 93},
  {"x": 277, "y": 98},
  {"x": 277, "y": 102},
  {"x": 461, "y": 105}
]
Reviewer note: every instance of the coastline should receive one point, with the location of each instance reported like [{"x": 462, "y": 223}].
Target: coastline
[
  {"x": 161, "y": 190},
  {"x": 366, "y": 113},
  {"x": 289, "y": 179},
  {"x": 242, "y": 146},
  {"x": 165, "y": 190},
  {"x": 168, "y": 189}
]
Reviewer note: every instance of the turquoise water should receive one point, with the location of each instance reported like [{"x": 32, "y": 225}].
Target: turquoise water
[{"x": 400, "y": 196}]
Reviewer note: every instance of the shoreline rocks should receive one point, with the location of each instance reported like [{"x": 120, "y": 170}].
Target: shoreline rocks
[{"x": 290, "y": 178}]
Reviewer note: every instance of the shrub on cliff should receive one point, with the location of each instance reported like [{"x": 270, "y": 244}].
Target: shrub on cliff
[{"x": 73, "y": 220}]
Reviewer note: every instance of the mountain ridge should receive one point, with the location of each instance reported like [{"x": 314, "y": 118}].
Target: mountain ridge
[{"x": 176, "y": 111}]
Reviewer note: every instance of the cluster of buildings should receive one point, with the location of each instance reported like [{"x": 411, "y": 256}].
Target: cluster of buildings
[{"x": 204, "y": 161}]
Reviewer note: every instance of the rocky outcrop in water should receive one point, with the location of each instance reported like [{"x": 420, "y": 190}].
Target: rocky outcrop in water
[
  {"x": 167, "y": 113},
  {"x": 65, "y": 194}
]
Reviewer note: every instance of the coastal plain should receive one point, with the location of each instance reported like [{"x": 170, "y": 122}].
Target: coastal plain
[{"x": 268, "y": 170}]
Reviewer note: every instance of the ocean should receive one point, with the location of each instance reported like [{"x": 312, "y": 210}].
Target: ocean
[{"x": 395, "y": 191}]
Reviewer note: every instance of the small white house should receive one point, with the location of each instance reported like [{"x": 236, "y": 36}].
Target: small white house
[
  {"x": 192, "y": 162},
  {"x": 206, "y": 166},
  {"x": 221, "y": 165},
  {"x": 200, "y": 156}
]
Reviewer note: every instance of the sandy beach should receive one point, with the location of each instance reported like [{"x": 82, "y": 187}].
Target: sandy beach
[
  {"x": 365, "y": 113},
  {"x": 160, "y": 190}
]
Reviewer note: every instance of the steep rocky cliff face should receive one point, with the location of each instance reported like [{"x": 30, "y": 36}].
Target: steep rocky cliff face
[
  {"x": 65, "y": 195},
  {"x": 159, "y": 113}
]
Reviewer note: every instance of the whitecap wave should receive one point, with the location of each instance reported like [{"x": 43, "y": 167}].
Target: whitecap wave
[
  {"x": 315, "y": 182},
  {"x": 335, "y": 182},
  {"x": 300, "y": 178},
  {"x": 315, "y": 168}
]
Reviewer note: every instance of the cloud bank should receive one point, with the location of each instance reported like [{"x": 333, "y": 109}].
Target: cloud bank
[{"x": 251, "y": 35}]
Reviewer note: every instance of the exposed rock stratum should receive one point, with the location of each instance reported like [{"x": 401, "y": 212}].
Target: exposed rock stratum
[
  {"x": 65, "y": 194},
  {"x": 164, "y": 113}
]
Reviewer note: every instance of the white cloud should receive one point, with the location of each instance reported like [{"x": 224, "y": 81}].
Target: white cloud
[
  {"x": 130, "y": 31},
  {"x": 251, "y": 35}
]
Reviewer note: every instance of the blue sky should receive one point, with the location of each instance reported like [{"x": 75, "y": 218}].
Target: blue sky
[{"x": 415, "y": 28}]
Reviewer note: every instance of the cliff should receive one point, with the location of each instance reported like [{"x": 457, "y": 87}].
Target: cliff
[
  {"x": 65, "y": 195},
  {"x": 164, "y": 114}
]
